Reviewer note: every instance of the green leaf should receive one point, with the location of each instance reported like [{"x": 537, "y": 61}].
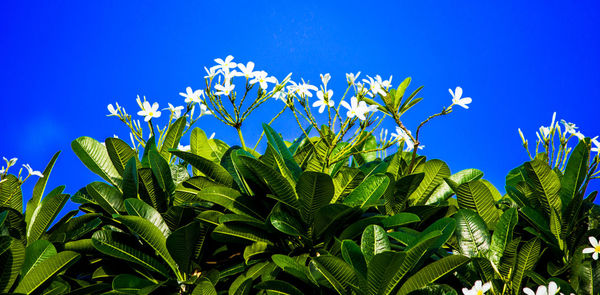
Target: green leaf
[
  {"x": 130, "y": 179},
  {"x": 45, "y": 270},
  {"x": 346, "y": 180},
  {"x": 368, "y": 192},
  {"x": 108, "y": 197},
  {"x": 445, "y": 226},
  {"x": 503, "y": 235},
  {"x": 400, "y": 219},
  {"x": 277, "y": 143},
  {"x": 35, "y": 253},
  {"x": 239, "y": 233},
  {"x": 162, "y": 172},
  {"x": 136, "y": 207},
  {"x": 545, "y": 184},
  {"x": 258, "y": 248},
  {"x": 475, "y": 195},
  {"x": 209, "y": 168},
  {"x": 277, "y": 183},
  {"x": 294, "y": 266},
  {"x": 444, "y": 191},
  {"x": 374, "y": 241},
  {"x": 232, "y": 200},
  {"x": 172, "y": 138},
  {"x": 315, "y": 190},
  {"x": 432, "y": 272},
  {"x": 151, "y": 235},
  {"x": 38, "y": 189},
  {"x": 44, "y": 214},
  {"x": 11, "y": 195},
  {"x": 130, "y": 284},
  {"x": 181, "y": 244},
  {"x": 435, "y": 172},
  {"x": 150, "y": 192},
  {"x": 119, "y": 245},
  {"x": 95, "y": 157},
  {"x": 204, "y": 287},
  {"x": 285, "y": 222},
  {"x": 119, "y": 153},
  {"x": 575, "y": 172},
  {"x": 11, "y": 262},
  {"x": 201, "y": 146},
  {"x": 337, "y": 272},
  {"x": 471, "y": 233},
  {"x": 528, "y": 256},
  {"x": 353, "y": 255},
  {"x": 278, "y": 287}
]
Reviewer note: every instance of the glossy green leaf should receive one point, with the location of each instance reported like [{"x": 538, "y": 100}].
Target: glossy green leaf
[
  {"x": 119, "y": 153},
  {"x": 232, "y": 200},
  {"x": 44, "y": 214},
  {"x": 471, "y": 233},
  {"x": 528, "y": 256},
  {"x": 95, "y": 157},
  {"x": 10, "y": 193},
  {"x": 435, "y": 172},
  {"x": 368, "y": 192},
  {"x": 444, "y": 191},
  {"x": 137, "y": 207},
  {"x": 45, "y": 270},
  {"x": 38, "y": 189},
  {"x": 315, "y": 190},
  {"x": 162, "y": 172},
  {"x": 337, "y": 272},
  {"x": 11, "y": 262},
  {"x": 108, "y": 197},
  {"x": 353, "y": 255},
  {"x": 209, "y": 168},
  {"x": 374, "y": 240},
  {"x": 277, "y": 183},
  {"x": 172, "y": 137},
  {"x": 432, "y": 272},
  {"x": 204, "y": 287},
  {"x": 346, "y": 180},
  {"x": 545, "y": 184},
  {"x": 277, "y": 143},
  {"x": 182, "y": 242},
  {"x": 475, "y": 195},
  {"x": 503, "y": 235},
  {"x": 278, "y": 287},
  {"x": 35, "y": 253},
  {"x": 575, "y": 172}
]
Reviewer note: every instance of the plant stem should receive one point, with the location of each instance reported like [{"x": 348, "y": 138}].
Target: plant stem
[{"x": 239, "y": 131}]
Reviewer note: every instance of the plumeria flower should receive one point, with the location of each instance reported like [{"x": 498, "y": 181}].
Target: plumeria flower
[
  {"x": 385, "y": 84},
  {"x": 552, "y": 289},
  {"x": 212, "y": 136},
  {"x": 303, "y": 89},
  {"x": 212, "y": 72},
  {"x": 112, "y": 110},
  {"x": 192, "y": 96},
  {"x": 32, "y": 172},
  {"x": 262, "y": 79},
  {"x": 184, "y": 148},
  {"x": 569, "y": 127},
  {"x": 325, "y": 79},
  {"x": 374, "y": 86},
  {"x": 594, "y": 249},
  {"x": 148, "y": 111},
  {"x": 247, "y": 70},
  {"x": 280, "y": 95},
  {"x": 324, "y": 100},
  {"x": 204, "y": 110},
  {"x": 226, "y": 64},
  {"x": 10, "y": 162},
  {"x": 176, "y": 111},
  {"x": 2, "y": 170},
  {"x": 356, "y": 108},
  {"x": 351, "y": 78},
  {"x": 456, "y": 97},
  {"x": 596, "y": 147},
  {"x": 478, "y": 288},
  {"x": 225, "y": 89}
]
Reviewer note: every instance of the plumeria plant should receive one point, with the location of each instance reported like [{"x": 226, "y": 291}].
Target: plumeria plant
[{"x": 337, "y": 210}]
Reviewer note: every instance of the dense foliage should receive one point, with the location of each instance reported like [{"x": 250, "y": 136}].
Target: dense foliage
[{"x": 318, "y": 215}]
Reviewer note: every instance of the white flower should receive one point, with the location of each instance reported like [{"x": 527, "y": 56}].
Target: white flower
[
  {"x": 384, "y": 83},
  {"x": 262, "y": 79},
  {"x": 351, "y": 78},
  {"x": 545, "y": 131},
  {"x": 280, "y": 95},
  {"x": 32, "y": 172},
  {"x": 552, "y": 126},
  {"x": 552, "y": 289},
  {"x": 112, "y": 110},
  {"x": 2, "y": 170},
  {"x": 374, "y": 86},
  {"x": 400, "y": 133},
  {"x": 132, "y": 140},
  {"x": 302, "y": 89},
  {"x": 184, "y": 148},
  {"x": 247, "y": 70},
  {"x": 456, "y": 97},
  {"x": 212, "y": 136},
  {"x": 596, "y": 147},
  {"x": 192, "y": 96},
  {"x": 148, "y": 111},
  {"x": 356, "y": 108},
  {"x": 204, "y": 110},
  {"x": 522, "y": 137},
  {"x": 325, "y": 79},
  {"x": 478, "y": 288},
  {"x": 225, "y": 89},
  {"x": 579, "y": 135},
  {"x": 226, "y": 64},
  {"x": 175, "y": 110},
  {"x": 569, "y": 127},
  {"x": 10, "y": 162},
  {"x": 212, "y": 72},
  {"x": 324, "y": 100}
]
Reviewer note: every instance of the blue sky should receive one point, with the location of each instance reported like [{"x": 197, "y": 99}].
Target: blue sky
[{"x": 62, "y": 63}]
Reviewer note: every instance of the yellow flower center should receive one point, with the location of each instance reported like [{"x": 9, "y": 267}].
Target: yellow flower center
[
  {"x": 597, "y": 249},
  {"x": 151, "y": 113},
  {"x": 479, "y": 292}
]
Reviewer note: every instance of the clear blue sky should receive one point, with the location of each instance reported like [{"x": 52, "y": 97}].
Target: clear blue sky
[{"x": 62, "y": 63}]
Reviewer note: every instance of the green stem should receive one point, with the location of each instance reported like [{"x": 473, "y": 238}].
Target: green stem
[{"x": 239, "y": 131}]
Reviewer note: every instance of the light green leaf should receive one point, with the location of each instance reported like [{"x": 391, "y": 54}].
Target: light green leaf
[
  {"x": 444, "y": 191},
  {"x": 171, "y": 140},
  {"x": 315, "y": 190},
  {"x": 475, "y": 195},
  {"x": 137, "y": 207},
  {"x": 368, "y": 192},
  {"x": 45, "y": 270},
  {"x": 374, "y": 241},
  {"x": 108, "y": 197},
  {"x": 471, "y": 233},
  {"x": 95, "y": 157},
  {"x": 432, "y": 272},
  {"x": 435, "y": 172}
]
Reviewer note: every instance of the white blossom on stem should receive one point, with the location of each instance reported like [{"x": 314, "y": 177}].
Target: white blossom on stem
[
  {"x": 112, "y": 110},
  {"x": 552, "y": 289},
  {"x": 149, "y": 112},
  {"x": 351, "y": 77},
  {"x": 356, "y": 108},
  {"x": 32, "y": 172},
  {"x": 456, "y": 97},
  {"x": 224, "y": 89},
  {"x": 226, "y": 64},
  {"x": 176, "y": 111},
  {"x": 212, "y": 72},
  {"x": 478, "y": 288},
  {"x": 262, "y": 79},
  {"x": 595, "y": 249},
  {"x": 192, "y": 96},
  {"x": 324, "y": 100},
  {"x": 246, "y": 70}
]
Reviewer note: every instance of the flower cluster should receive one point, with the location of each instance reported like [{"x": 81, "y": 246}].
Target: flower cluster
[{"x": 12, "y": 162}]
